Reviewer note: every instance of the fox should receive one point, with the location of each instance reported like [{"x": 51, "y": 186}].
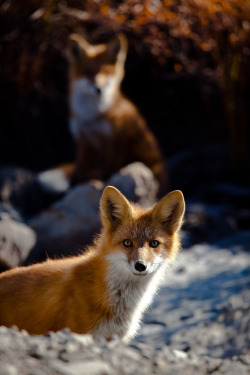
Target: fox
[
  {"x": 108, "y": 130},
  {"x": 105, "y": 290}
]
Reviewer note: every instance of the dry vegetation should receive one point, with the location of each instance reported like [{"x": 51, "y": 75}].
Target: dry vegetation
[{"x": 206, "y": 43}]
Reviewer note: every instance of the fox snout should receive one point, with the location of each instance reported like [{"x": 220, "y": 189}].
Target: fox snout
[
  {"x": 142, "y": 261},
  {"x": 85, "y": 87},
  {"x": 98, "y": 91},
  {"x": 139, "y": 267}
]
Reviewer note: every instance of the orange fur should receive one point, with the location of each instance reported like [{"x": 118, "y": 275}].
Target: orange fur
[
  {"x": 114, "y": 134},
  {"x": 101, "y": 292}
]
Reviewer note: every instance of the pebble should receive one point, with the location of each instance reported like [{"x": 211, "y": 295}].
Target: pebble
[
  {"x": 8, "y": 369},
  {"x": 84, "y": 367}
]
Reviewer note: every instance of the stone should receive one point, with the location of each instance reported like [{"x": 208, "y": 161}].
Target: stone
[
  {"x": 21, "y": 189},
  {"x": 68, "y": 224},
  {"x": 83, "y": 340},
  {"x": 8, "y": 369},
  {"x": 137, "y": 183},
  {"x": 16, "y": 238},
  {"x": 206, "y": 222},
  {"x": 193, "y": 167},
  {"x": 96, "y": 367}
]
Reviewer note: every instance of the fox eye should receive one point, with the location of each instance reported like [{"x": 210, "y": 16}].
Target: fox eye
[
  {"x": 127, "y": 243},
  {"x": 154, "y": 243}
]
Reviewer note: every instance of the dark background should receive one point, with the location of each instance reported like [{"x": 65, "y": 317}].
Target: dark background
[{"x": 187, "y": 70}]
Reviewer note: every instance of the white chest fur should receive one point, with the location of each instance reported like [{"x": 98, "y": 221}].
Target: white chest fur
[
  {"x": 129, "y": 296},
  {"x": 89, "y": 129}
]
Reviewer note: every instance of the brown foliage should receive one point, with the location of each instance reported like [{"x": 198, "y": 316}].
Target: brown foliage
[{"x": 209, "y": 39}]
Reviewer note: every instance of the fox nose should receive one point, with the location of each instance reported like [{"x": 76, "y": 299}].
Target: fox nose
[{"x": 139, "y": 266}]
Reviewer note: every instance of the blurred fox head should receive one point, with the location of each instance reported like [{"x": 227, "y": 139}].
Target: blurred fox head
[
  {"x": 96, "y": 72},
  {"x": 140, "y": 241}
]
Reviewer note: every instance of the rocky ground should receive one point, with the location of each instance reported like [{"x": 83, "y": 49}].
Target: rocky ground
[
  {"x": 200, "y": 321},
  {"x": 205, "y": 305},
  {"x": 199, "y": 324}
]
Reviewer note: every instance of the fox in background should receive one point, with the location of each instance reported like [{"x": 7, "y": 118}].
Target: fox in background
[
  {"x": 108, "y": 130},
  {"x": 106, "y": 290}
]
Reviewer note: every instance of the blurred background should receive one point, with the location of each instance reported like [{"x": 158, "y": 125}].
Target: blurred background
[{"x": 187, "y": 71}]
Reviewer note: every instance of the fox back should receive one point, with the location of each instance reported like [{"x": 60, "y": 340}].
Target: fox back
[
  {"x": 109, "y": 131},
  {"x": 105, "y": 291}
]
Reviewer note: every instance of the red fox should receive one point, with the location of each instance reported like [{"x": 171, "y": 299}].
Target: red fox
[
  {"x": 108, "y": 130},
  {"x": 106, "y": 290}
]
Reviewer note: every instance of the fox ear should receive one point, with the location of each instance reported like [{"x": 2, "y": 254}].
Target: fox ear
[
  {"x": 123, "y": 44},
  {"x": 116, "y": 51},
  {"x": 121, "y": 57},
  {"x": 78, "y": 47},
  {"x": 169, "y": 211},
  {"x": 74, "y": 50},
  {"x": 114, "y": 207},
  {"x": 113, "y": 47}
]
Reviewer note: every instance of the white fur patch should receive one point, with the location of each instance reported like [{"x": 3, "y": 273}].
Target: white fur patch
[
  {"x": 108, "y": 91},
  {"x": 87, "y": 104},
  {"x": 130, "y": 295}
]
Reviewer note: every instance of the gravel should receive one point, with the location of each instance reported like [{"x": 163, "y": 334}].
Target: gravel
[{"x": 199, "y": 324}]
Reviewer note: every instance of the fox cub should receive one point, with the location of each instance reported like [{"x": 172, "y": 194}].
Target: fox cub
[
  {"x": 105, "y": 291},
  {"x": 108, "y": 130}
]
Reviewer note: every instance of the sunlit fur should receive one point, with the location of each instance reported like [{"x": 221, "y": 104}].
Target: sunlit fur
[{"x": 100, "y": 292}]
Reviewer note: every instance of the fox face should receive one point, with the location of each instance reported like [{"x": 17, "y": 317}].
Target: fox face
[
  {"x": 141, "y": 241},
  {"x": 137, "y": 246},
  {"x": 96, "y": 72}
]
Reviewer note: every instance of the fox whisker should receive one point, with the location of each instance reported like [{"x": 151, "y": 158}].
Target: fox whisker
[
  {"x": 156, "y": 263},
  {"x": 124, "y": 260}
]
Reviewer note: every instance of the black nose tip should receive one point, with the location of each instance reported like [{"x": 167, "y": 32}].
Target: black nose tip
[{"x": 140, "y": 266}]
